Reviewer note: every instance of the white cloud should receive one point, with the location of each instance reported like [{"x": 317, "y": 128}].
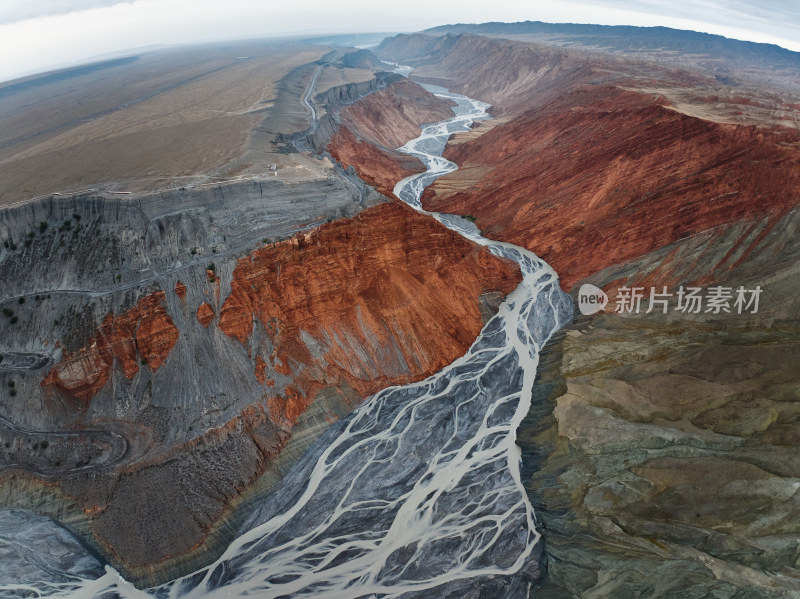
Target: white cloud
[
  {"x": 20, "y": 10},
  {"x": 103, "y": 27}
]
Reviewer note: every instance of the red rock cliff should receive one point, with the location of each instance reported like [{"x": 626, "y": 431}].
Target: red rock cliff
[
  {"x": 392, "y": 116},
  {"x": 385, "y": 298},
  {"x": 377, "y": 124},
  {"x": 602, "y": 175},
  {"x": 144, "y": 334},
  {"x": 380, "y": 168}
]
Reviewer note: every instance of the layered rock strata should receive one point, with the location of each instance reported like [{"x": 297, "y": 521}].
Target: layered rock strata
[
  {"x": 659, "y": 450},
  {"x": 191, "y": 377},
  {"x": 365, "y": 122},
  {"x": 620, "y": 172}
]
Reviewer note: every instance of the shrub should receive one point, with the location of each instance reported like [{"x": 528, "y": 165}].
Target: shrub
[
  {"x": 13, "y": 320},
  {"x": 42, "y": 226},
  {"x": 8, "y": 312},
  {"x": 21, "y": 300},
  {"x": 211, "y": 267}
]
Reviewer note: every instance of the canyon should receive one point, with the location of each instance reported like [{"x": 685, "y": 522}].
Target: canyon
[
  {"x": 658, "y": 447},
  {"x": 274, "y": 383},
  {"x": 169, "y": 355}
]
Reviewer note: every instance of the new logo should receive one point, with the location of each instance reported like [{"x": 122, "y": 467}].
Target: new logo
[{"x": 591, "y": 299}]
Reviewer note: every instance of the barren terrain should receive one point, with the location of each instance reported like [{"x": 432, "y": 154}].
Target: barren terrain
[{"x": 164, "y": 119}]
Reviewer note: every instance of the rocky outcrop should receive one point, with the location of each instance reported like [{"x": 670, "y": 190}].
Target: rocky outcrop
[
  {"x": 392, "y": 116},
  {"x": 144, "y": 335},
  {"x": 205, "y": 314},
  {"x": 342, "y": 95},
  {"x": 393, "y": 298},
  {"x": 618, "y": 172},
  {"x": 380, "y": 168},
  {"x": 333, "y": 99}
]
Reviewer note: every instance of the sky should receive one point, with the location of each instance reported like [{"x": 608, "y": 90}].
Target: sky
[{"x": 41, "y": 35}]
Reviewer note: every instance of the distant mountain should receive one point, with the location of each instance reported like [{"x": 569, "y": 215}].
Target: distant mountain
[
  {"x": 625, "y": 39},
  {"x": 350, "y": 40}
]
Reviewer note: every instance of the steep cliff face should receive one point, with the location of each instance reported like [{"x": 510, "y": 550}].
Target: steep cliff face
[
  {"x": 386, "y": 298},
  {"x": 618, "y": 172},
  {"x": 207, "y": 370},
  {"x": 367, "y": 131},
  {"x": 378, "y": 167},
  {"x": 332, "y": 100},
  {"x": 392, "y": 116}
]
